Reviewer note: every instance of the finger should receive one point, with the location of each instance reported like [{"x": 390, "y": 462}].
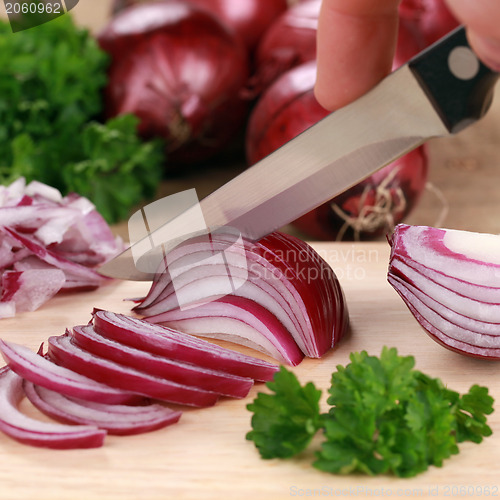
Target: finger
[
  {"x": 355, "y": 47},
  {"x": 481, "y": 18}
]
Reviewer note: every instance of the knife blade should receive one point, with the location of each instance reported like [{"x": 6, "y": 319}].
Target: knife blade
[{"x": 439, "y": 92}]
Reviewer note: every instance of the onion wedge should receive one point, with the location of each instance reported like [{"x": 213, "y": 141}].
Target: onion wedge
[
  {"x": 115, "y": 419},
  {"x": 450, "y": 281},
  {"x": 279, "y": 274},
  {"x": 34, "y": 432}
]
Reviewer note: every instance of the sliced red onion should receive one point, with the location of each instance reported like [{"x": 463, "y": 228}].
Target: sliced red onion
[
  {"x": 283, "y": 278},
  {"x": 449, "y": 280},
  {"x": 27, "y": 430},
  {"x": 41, "y": 229},
  {"x": 29, "y": 289},
  {"x": 7, "y": 309},
  {"x": 72, "y": 269},
  {"x": 219, "y": 382},
  {"x": 65, "y": 353},
  {"x": 41, "y": 371},
  {"x": 238, "y": 320},
  {"x": 175, "y": 345},
  {"x": 115, "y": 419}
]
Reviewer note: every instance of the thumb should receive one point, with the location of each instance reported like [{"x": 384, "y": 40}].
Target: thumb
[{"x": 483, "y": 29}]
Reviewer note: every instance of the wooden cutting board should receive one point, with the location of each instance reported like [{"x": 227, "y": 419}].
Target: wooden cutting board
[{"x": 206, "y": 455}]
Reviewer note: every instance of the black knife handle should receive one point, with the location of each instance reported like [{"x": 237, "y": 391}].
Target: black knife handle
[{"x": 458, "y": 84}]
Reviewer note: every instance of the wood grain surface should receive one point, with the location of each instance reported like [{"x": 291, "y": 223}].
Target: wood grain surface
[{"x": 206, "y": 455}]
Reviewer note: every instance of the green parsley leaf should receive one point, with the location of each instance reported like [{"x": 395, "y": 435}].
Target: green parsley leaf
[
  {"x": 50, "y": 100},
  {"x": 119, "y": 169},
  {"x": 51, "y": 85},
  {"x": 385, "y": 417},
  {"x": 285, "y": 422}
]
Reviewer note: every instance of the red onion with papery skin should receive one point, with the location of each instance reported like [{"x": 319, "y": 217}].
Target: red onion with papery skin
[
  {"x": 449, "y": 281},
  {"x": 367, "y": 210},
  {"x": 286, "y": 300},
  {"x": 248, "y": 19},
  {"x": 288, "y": 42},
  {"x": 27, "y": 430},
  {"x": 431, "y": 19},
  {"x": 181, "y": 71}
]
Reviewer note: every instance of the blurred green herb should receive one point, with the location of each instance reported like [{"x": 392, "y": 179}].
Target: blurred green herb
[
  {"x": 51, "y": 101},
  {"x": 384, "y": 417}
]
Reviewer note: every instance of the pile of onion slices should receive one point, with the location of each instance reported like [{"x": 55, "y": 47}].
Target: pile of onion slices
[
  {"x": 48, "y": 243},
  {"x": 116, "y": 375}
]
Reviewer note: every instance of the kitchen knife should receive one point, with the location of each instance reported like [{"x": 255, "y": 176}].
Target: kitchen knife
[{"x": 437, "y": 93}]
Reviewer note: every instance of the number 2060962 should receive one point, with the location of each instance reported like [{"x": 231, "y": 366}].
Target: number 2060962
[
  {"x": 34, "y": 7},
  {"x": 462, "y": 491}
]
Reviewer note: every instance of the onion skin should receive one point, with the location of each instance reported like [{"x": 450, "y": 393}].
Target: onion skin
[
  {"x": 431, "y": 19},
  {"x": 448, "y": 280},
  {"x": 249, "y": 19},
  {"x": 33, "y": 432},
  {"x": 369, "y": 209},
  {"x": 181, "y": 71},
  {"x": 287, "y": 43}
]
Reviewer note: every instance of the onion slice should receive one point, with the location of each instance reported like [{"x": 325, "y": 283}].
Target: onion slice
[
  {"x": 34, "y": 432},
  {"x": 41, "y": 371},
  {"x": 222, "y": 383},
  {"x": 174, "y": 345},
  {"x": 115, "y": 419},
  {"x": 450, "y": 281},
  {"x": 238, "y": 320},
  {"x": 65, "y": 353}
]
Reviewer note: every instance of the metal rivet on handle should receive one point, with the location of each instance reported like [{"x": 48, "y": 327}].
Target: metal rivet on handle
[{"x": 463, "y": 63}]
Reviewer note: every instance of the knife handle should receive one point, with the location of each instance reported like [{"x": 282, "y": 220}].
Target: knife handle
[{"x": 458, "y": 84}]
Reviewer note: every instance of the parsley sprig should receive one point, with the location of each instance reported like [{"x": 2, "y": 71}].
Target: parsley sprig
[
  {"x": 51, "y": 121},
  {"x": 385, "y": 417}
]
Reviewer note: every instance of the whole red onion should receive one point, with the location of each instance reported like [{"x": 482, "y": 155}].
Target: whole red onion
[
  {"x": 368, "y": 209},
  {"x": 431, "y": 18},
  {"x": 248, "y": 18},
  {"x": 181, "y": 71},
  {"x": 288, "y": 42}
]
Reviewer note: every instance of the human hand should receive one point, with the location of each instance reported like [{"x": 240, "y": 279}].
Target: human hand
[{"x": 357, "y": 40}]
